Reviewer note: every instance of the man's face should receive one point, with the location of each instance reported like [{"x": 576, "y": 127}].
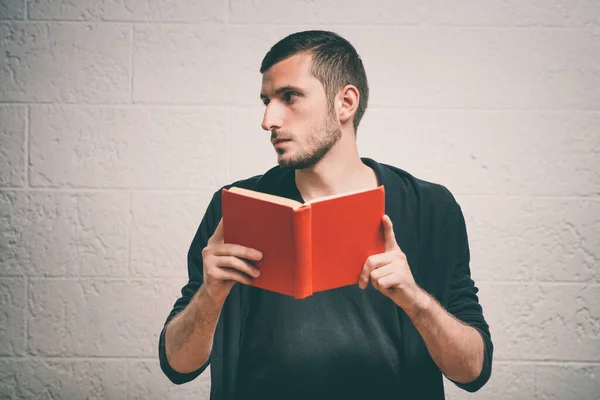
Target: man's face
[{"x": 302, "y": 127}]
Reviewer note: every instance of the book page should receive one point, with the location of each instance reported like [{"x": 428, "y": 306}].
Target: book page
[
  {"x": 334, "y": 196},
  {"x": 267, "y": 197}
]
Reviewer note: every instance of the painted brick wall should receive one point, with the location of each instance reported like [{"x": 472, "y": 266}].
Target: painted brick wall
[{"x": 118, "y": 120}]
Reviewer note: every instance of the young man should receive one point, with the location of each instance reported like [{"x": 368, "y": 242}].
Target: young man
[{"x": 412, "y": 315}]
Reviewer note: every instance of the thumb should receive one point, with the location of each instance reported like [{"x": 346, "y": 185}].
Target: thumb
[
  {"x": 219, "y": 235},
  {"x": 388, "y": 234}
]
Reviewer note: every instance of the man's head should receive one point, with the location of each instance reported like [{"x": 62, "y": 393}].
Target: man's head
[{"x": 313, "y": 81}]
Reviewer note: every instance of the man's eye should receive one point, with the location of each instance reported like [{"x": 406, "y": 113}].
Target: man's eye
[
  {"x": 266, "y": 102},
  {"x": 289, "y": 96}
]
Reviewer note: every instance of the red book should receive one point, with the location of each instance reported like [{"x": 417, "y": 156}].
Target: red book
[{"x": 307, "y": 248}]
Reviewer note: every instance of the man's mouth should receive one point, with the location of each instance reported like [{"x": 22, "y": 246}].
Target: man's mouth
[{"x": 280, "y": 140}]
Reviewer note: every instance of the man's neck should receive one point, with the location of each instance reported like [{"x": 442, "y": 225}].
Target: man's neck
[{"x": 340, "y": 171}]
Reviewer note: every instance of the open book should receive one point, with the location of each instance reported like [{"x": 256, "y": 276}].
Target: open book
[{"x": 320, "y": 245}]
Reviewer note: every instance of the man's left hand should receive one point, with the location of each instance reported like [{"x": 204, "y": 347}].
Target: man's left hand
[{"x": 390, "y": 274}]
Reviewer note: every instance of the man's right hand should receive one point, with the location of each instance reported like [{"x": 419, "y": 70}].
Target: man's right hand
[{"x": 226, "y": 264}]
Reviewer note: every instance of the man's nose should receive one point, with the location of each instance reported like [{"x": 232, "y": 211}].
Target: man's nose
[{"x": 272, "y": 118}]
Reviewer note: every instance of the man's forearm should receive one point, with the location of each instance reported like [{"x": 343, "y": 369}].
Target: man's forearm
[
  {"x": 456, "y": 348},
  {"x": 189, "y": 336}
]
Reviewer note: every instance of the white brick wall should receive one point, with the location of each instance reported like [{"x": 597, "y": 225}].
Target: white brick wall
[{"x": 118, "y": 120}]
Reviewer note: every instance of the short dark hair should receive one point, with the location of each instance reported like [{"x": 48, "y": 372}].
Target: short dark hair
[{"x": 335, "y": 63}]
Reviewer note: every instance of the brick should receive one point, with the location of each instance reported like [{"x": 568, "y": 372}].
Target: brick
[
  {"x": 250, "y": 152},
  {"x": 543, "y": 321},
  {"x": 146, "y": 381},
  {"x": 66, "y": 63},
  {"x": 163, "y": 226},
  {"x": 12, "y": 146},
  {"x": 509, "y": 381},
  {"x": 167, "y": 11},
  {"x": 12, "y": 316},
  {"x": 64, "y": 10},
  {"x": 246, "y": 47},
  {"x": 540, "y": 13},
  {"x": 511, "y": 225},
  {"x": 179, "y": 64},
  {"x": 554, "y": 13},
  {"x": 568, "y": 240},
  {"x": 402, "y": 12},
  {"x": 128, "y": 147},
  {"x": 480, "y": 68},
  {"x": 98, "y": 317},
  {"x": 554, "y": 382},
  {"x": 549, "y": 239},
  {"x": 200, "y": 65},
  {"x": 63, "y": 234},
  {"x": 12, "y": 10},
  {"x": 63, "y": 379},
  {"x": 489, "y": 152}
]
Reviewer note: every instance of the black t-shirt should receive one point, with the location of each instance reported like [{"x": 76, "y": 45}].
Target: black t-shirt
[
  {"x": 342, "y": 343},
  {"x": 347, "y": 342}
]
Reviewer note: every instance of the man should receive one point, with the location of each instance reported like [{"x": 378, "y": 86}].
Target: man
[{"x": 413, "y": 313}]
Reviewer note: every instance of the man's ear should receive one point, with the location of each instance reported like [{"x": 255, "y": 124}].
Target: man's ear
[{"x": 348, "y": 99}]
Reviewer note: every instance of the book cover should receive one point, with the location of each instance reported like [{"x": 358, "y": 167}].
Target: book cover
[{"x": 307, "y": 248}]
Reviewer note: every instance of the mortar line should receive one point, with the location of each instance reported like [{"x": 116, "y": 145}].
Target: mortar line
[
  {"x": 212, "y": 189},
  {"x": 535, "y": 382},
  {"x": 26, "y": 161},
  {"x": 129, "y": 229},
  {"x": 127, "y": 378},
  {"x": 378, "y": 107},
  {"x": 136, "y": 105},
  {"x": 131, "y": 42},
  {"x": 27, "y": 313},
  {"x": 549, "y": 362},
  {"x": 427, "y": 26},
  {"x": 108, "y": 190},
  {"x": 131, "y": 278},
  {"x": 97, "y": 358},
  {"x": 90, "y": 358},
  {"x": 229, "y": 143},
  {"x": 227, "y": 13},
  {"x": 81, "y": 279},
  {"x": 583, "y": 284},
  {"x": 530, "y": 197}
]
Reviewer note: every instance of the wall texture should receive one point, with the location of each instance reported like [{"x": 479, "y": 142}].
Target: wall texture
[{"x": 119, "y": 119}]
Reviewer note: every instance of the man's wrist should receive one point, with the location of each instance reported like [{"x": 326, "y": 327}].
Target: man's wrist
[
  {"x": 207, "y": 303},
  {"x": 421, "y": 304}
]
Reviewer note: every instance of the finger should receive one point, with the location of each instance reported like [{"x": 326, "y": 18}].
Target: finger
[
  {"x": 388, "y": 281},
  {"x": 382, "y": 271},
  {"x": 236, "y": 250},
  {"x": 388, "y": 234},
  {"x": 387, "y": 274},
  {"x": 218, "y": 236},
  {"x": 227, "y": 274},
  {"x": 238, "y": 264},
  {"x": 373, "y": 262}
]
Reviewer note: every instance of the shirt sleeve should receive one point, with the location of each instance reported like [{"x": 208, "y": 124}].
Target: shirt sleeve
[
  {"x": 463, "y": 302},
  {"x": 195, "y": 279}
]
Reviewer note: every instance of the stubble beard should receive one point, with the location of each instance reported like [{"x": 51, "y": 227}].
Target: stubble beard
[{"x": 322, "y": 139}]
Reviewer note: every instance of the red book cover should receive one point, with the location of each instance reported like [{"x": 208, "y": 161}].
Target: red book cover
[{"x": 320, "y": 245}]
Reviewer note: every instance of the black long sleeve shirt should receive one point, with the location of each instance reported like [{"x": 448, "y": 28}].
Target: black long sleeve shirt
[{"x": 342, "y": 343}]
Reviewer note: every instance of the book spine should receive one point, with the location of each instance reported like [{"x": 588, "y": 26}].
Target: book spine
[{"x": 303, "y": 277}]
